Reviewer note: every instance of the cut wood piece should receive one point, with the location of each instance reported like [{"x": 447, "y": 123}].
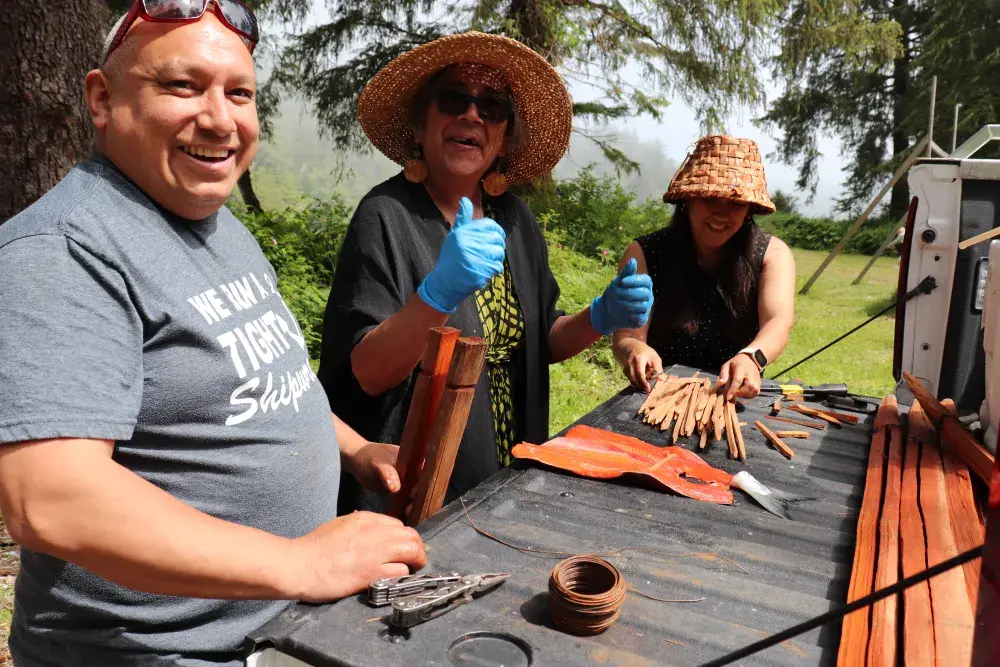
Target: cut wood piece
[
  {"x": 704, "y": 439},
  {"x": 659, "y": 391},
  {"x": 968, "y": 530},
  {"x": 775, "y": 440},
  {"x": 854, "y": 629},
  {"x": 734, "y": 422},
  {"x": 792, "y": 434},
  {"x": 449, "y": 427},
  {"x": 813, "y": 412},
  {"x": 689, "y": 418},
  {"x": 776, "y": 408},
  {"x": 882, "y": 647},
  {"x": 918, "y": 623},
  {"x": 731, "y": 428},
  {"x": 953, "y": 433},
  {"x": 681, "y": 411},
  {"x": 427, "y": 392},
  {"x": 952, "y": 612},
  {"x": 844, "y": 417},
  {"x": 819, "y": 426},
  {"x": 718, "y": 416}
]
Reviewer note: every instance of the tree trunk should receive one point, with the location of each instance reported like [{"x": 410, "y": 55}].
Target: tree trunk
[
  {"x": 899, "y": 200},
  {"x": 45, "y": 128},
  {"x": 249, "y": 196}
]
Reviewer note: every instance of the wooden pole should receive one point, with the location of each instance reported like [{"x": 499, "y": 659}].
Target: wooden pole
[
  {"x": 427, "y": 392},
  {"x": 864, "y": 216},
  {"x": 449, "y": 427}
]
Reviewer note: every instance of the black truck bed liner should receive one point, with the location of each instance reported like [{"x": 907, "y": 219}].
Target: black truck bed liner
[{"x": 797, "y": 568}]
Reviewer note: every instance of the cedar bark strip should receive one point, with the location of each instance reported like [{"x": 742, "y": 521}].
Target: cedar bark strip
[
  {"x": 854, "y": 630},
  {"x": 968, "y": 531},
  {"x": 449, "y": 426},
  {"x": 819, "y": 426},
  {"x": 785, "y": 450},
  {"x": 952, "y": 612},
  {"x": 882, "y": 645},
  {"x": 918, "y": 622},
  {"x": 427, "y": 393},
  {"x": 953, "y": 433}
]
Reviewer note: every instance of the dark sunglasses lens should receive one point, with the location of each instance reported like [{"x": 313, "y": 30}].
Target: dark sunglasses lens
[
  {"x": 175, "y": 9},
  {"x": 492, "y": 110},
  {"x": 240, "y": 17},
  {"x": 453, "y": 102}
]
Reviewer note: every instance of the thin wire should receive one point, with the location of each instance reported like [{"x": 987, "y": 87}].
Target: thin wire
[
  {"x": 926, "y": 286},
  {"x": 615, "y": 552},
  {"x": 835, "y": 614}
]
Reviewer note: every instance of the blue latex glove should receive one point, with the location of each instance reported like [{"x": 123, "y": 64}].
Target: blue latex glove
[
  {"x": 472, "y": 254},
  {"x": 626, "y": 302}
]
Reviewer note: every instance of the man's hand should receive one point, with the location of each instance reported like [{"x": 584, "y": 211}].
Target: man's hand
[
  {"x": 374, "y": 466},
  {"x": 341, "y": 557},
  {"x": 642, "y": 364},
  {"x": 740, "y": 377}
]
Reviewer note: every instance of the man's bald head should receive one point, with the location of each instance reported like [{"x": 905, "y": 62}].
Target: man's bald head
[{"x": 174, "y": 109}]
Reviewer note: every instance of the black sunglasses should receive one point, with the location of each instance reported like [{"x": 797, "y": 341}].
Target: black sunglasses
[{"x": 491, "y": 108}]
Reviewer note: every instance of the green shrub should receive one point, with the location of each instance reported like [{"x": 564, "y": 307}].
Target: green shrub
[
  {"x": 807, "y": 233},
  {"x": 302, "y": 246},
  {"x": 596, "y": 216}
]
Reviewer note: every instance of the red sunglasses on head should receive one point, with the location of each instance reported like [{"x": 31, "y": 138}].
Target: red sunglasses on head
[{"x": 234, "y": 15}]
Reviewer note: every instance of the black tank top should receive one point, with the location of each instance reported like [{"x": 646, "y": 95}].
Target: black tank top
[{"x": 693, "y": 322}]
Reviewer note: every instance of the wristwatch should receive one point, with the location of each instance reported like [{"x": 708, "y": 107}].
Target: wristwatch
[{"x": 757, "y": 356}]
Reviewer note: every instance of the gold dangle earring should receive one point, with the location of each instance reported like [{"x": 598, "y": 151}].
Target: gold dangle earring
[
  {"x": 495, "y": 183},
  {"x": 415, "y": 169}
]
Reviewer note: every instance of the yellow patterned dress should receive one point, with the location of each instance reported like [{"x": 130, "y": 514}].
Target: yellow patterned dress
[{"x": 503, "y": 329}]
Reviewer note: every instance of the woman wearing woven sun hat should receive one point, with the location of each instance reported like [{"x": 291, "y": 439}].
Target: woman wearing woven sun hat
[
  {"x": 724, "y": 288},
  {"x": 445, "y": 243}
]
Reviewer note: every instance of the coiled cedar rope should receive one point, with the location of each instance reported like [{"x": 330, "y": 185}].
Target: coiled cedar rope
[{"x": 585, "y": 595}]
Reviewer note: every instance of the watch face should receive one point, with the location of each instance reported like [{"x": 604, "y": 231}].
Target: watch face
[{"x": 761, "y": 359}]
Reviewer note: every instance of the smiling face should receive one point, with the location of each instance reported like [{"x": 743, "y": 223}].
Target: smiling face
[
  {"x": 462, "y": 146},
  {"x": 714, "y": 221},
  {"x": 174, "y": 110}
]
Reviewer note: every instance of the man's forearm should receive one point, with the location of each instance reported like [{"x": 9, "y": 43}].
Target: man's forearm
[
  {"x": 388, "y": 353},
  {"x": 86, "y": 509},
  {"x": 570, "y": 335}
]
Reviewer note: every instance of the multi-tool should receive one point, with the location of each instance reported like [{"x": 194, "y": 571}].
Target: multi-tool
[{"x": 421, "y": 597}]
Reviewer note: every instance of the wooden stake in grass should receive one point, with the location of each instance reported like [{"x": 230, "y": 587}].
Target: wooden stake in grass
[{"x": 785, "y": 450}]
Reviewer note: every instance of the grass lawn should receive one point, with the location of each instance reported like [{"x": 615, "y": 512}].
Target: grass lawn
[
  {"x": 832, "y": 307},
  {"x": 6, "y": 598}
]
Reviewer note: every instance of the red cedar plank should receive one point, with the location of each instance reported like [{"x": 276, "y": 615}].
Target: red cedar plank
[
  {"x": 953, "y": 618},
  {"x": 918, "y": 623},
  {"x": 882, "y": 647},
  {"x": 968, "y": 531},
  {"x": 854, "y": 630}
]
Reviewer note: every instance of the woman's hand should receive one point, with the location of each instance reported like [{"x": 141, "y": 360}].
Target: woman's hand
[
  {"x": 740, "y": 377},
  {"x": 374, "y": 466},
  {"x": 642, "y": 364}
]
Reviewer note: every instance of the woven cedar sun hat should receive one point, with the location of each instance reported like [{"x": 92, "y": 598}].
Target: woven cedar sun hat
[
  {"x": 540, "y": 98},
  {"x": 722, "y": 167}
]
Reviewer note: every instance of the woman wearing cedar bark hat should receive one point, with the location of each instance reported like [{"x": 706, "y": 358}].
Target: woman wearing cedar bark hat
[
  {"x": 724, "y": 288},
  {"x": 444, "y": 242}
]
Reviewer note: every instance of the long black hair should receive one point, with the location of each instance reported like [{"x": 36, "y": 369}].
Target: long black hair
[{"x": 735, "y": 271}]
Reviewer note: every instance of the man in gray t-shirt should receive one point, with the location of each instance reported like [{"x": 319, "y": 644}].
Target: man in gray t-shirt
[{"x": 168, "y": 462}]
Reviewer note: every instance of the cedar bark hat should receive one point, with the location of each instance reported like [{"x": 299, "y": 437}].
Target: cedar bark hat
[
  {"x": 540, "y": 98},
  {"x": 722, "y": 167}
]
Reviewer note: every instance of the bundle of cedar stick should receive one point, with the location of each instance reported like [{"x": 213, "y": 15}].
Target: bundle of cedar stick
[{"x": 693, "y": 405}]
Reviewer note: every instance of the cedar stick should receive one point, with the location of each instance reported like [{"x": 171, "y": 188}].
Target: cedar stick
[
  {"x": 813, "y": 412},
  {"x": 449, "y": 427},
  {"x": 424, "y": 404},
  {"x": 731, "y": 428},
  {"x": 785, "y": 450},
  {"x": 776, "y": 408},
  {"x": 882, "y": 645},
  {"x": 792, "y": 434},
  {"x": 718, "y": 419},
  {"x": 854, "y": 630},
  {"x": 918, "y": 623},
  {"x": 968, "y": 531},
  {"x": 953, "y": 433},
  {"x": 819, "y": 426},
  {"x": 953, "y": 616}
]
